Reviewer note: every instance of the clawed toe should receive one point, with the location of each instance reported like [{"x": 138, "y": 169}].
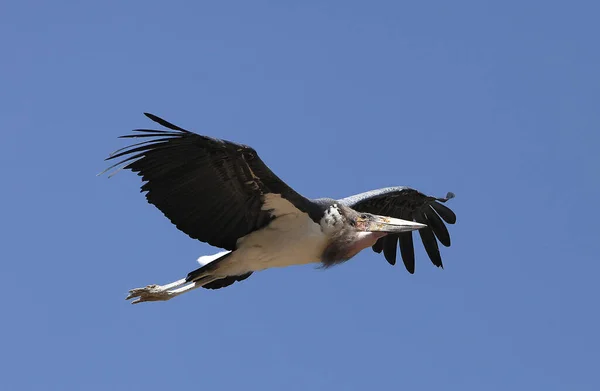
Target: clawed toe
[
  {"x": 136, "y": 292},
  {"x": 148, "y": 293},
  {"x": 162, "y": 292}
]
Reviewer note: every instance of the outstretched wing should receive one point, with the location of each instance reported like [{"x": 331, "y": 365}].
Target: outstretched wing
[
  {"x": 211, "y": 189},
  {"x": 408, "y": 204}
]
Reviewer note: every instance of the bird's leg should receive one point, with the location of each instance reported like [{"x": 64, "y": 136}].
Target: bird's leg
[{"x": 165, "y": 292}]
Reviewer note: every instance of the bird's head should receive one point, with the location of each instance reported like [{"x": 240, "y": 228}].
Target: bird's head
[{"x": 350, "y": 231}]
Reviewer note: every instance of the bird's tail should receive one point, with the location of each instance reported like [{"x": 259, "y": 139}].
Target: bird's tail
[
  {"x": 207, "y": 275},
  {"x": 208, "y": 264}
]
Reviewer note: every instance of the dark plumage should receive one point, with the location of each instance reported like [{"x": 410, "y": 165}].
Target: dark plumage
[
  {"x": 209, "y": 188},
  {"x": 408, "y": 204},
  {"x": 222, "y": 193}
]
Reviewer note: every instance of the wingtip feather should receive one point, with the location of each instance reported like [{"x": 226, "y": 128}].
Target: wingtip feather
[{"x": 164, "y": 123}]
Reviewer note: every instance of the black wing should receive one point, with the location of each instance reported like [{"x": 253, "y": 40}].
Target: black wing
[
  {"x": 210, "y": 189},
  {"x": 408, "y": 204}
]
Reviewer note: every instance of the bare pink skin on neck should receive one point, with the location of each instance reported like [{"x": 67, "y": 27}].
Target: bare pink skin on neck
[{"x": 366, "y": 239}]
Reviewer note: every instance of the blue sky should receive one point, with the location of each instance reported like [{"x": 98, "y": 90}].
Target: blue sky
[{"x": 495, "y": 102}]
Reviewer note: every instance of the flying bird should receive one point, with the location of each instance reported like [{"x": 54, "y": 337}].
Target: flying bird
[{"x": 223, "y": 194}]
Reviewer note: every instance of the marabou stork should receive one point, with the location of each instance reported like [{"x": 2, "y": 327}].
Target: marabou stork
[{"x": 222, "y": 193}]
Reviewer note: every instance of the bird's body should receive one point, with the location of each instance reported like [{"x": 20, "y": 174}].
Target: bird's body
[
  {"x": 221, "y": 193},
  {"x": 291, "y": 238}
]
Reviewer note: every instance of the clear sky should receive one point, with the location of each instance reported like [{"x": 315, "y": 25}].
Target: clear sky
[{"x": 498, "y": 103}]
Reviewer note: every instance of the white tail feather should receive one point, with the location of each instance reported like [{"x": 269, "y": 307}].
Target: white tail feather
[{"x": 206, "y": 259}]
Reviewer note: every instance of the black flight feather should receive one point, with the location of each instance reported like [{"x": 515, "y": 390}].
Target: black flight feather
[
  {"x": 437, "y": 226},
  {"x": 407, "y": 251},
  {"x": 389, "y": 248},
  {"x": 211, "y": 189},
  {"x": 445, "y": 213},
  {"x": 408, "y": 204},
  {"x": 428, "y": 239}
]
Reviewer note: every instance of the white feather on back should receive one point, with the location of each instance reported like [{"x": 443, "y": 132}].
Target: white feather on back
[
  {"x": 332, "y": 219},
  {"x": 278, "y": 206}
]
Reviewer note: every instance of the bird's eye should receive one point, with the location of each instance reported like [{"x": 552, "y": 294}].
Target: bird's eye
[{"x": 363, "y": 216}]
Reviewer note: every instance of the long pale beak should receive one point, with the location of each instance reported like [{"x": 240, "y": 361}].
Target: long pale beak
[{"x": 392, "y": 225}]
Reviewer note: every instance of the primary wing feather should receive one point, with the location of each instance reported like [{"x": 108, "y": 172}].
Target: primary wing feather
[
  {"x": 408, "y": 204},
  {"x": 211, "y": 189}
]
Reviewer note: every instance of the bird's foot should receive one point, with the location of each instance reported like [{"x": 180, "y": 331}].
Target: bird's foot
[
  {"x": 163, "y": 292},
  {"x": 155, "y": 292},
  {"x": 149, "y": 293}
]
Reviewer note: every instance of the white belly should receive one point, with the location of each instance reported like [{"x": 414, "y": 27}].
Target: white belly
[{"x": 292, "y": 239}]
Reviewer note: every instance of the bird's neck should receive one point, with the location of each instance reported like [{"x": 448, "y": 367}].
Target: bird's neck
[{"x": 343, "y": 247}]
